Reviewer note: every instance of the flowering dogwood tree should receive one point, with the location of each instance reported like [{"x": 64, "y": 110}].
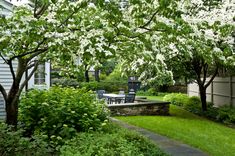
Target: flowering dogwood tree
[
  {"x": 57, "y": 30},
  {"x": 186, "y": 34},
  {"x": 93, "y": 42},
  {"x": 209, "y": 43}
]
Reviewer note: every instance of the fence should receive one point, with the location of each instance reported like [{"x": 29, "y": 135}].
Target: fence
[{"x": 221, "y": 91}]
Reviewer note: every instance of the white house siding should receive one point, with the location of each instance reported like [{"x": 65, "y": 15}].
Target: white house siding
[
  {"x": 220, "y": 92},
  {"x": 6, "y": 81},
  {"x": 5, "y": 8}
]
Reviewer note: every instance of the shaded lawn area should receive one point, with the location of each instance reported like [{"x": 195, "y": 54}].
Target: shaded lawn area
[{"x": 213, "y": 138}]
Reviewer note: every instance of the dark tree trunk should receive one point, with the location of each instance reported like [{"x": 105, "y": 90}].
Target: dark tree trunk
[
  {"x": 87, "y": 76},
  {"x": 12, "y": 99},
  {"x": 97, "y": 76},
  {"x": 12, "y": 104},
  {"x": 12, "y": 112},
  {"x": 202, "y": 90}
]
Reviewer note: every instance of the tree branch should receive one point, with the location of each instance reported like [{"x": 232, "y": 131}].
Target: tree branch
[
  {"x": 213, "y": 76},
  {"x": 25, "y": 82},
  {"x": 205, "y": 67},
  {"x": 197, "y": 69},
  {"x": 35, "y": 8},
  {"x": 70, "y": 15},
  {"x": 3, "y": 58},
  {"x": 37, "y": 53},
  {"x": 30, "y": 66},
  {"x": 30, "y": 52},
  {"x": 3, "y": 91},
  {"x": 11, "y": 69},
  {"x": 41, "y": 11},
  {"x": 149, "y": 21}
]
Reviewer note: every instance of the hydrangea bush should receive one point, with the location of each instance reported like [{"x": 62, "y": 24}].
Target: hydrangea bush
[{"x": 61, "y": 112}]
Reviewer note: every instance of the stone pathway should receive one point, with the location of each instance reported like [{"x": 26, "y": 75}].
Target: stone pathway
[{"x": 170, "y": 146}]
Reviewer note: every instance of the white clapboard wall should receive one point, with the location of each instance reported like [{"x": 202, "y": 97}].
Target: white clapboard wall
[{"x": 6, "y": 81}]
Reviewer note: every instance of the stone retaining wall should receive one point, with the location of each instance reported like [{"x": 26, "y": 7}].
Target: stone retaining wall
[{"x": 140, "y": 107}]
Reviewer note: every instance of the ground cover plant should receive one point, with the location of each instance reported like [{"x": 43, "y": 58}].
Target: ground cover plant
[
  {"x": 13, "y": 143},
  {"x": 115, "y": 141},
  {"x": 213, "y": 138},
  {"x": 111, "y": 141}
]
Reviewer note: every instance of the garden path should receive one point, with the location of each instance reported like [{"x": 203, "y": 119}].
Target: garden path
[{"x": 168, "y": 145}]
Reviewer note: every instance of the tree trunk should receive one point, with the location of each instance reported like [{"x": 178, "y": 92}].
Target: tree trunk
[
  {"x": 12, "y": 112},
  {"x": 97, "y": 77},
  {"x": 12, "y": 99},
  {"x": 12, "y": 105},
  {"x": 202, "y": 90},
  {"x": 87, "y": 76}
]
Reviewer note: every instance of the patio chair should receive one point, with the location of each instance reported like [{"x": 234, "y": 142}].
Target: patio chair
[
  {"x": 129, "y": 98},
  {"x": 100, "y": 94}
]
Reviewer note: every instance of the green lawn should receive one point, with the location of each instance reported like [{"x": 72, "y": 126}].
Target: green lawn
[{"x": 213, "y": 138}]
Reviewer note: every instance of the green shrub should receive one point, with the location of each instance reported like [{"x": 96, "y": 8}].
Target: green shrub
[
  {"x": 66, "y": 82},
  {"x": 149, "y": 92},
  {"x": 13, "y": 143},
  {"x": 114, "y": 143},
  {"x": 178, "y": 99},
  {"x": 211, "y": 113},
  {"x": 116, "y": 76},
  {"x": 223, "y": 114},
  {"x": 105, "y": 85},
  {"x": 152, "y": 91},
  {"x": 226, "y": 114},
  {"x": 61, "y": 112},
  {"x": 193, "y": 104}
]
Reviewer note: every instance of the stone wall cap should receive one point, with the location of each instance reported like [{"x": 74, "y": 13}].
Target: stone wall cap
[{"x": 142, "y": 103}]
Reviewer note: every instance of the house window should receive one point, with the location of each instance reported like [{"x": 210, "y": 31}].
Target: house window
[{"x": 39, "y": 76}]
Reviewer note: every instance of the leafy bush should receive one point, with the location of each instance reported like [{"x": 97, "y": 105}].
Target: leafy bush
[
  {"x": 177, "y": 89},
  {"x": 114, "y": 143},
  {"x": 149, "y": 92},
  {"x": 142, "y": 93},
  {"x": 117, "y": 76},
  {"x": 223, "y": 114},
  {"x": 13, "y": 143},
  {"x": 105, "y": 85},
  {"x": 66, "y": 82},
  {"x": 211, "y": 113},
  {"x": 61, "y": 112},
  {"x": 193, "y": 104},
  {"x": 178, "y": 99},
  {"x": 226, "y": 114}
]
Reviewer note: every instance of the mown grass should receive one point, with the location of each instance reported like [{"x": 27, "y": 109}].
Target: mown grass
[{"x": 213, "y": 138}]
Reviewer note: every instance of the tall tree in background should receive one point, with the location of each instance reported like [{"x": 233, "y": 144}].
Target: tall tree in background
[{"x": 185, "y": 34}]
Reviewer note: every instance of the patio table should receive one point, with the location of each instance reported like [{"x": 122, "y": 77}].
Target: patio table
[{"x": 116, "y": 98}]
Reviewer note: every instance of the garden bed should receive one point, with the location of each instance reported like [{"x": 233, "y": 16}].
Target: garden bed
[{"x": 140, "y": 107}]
